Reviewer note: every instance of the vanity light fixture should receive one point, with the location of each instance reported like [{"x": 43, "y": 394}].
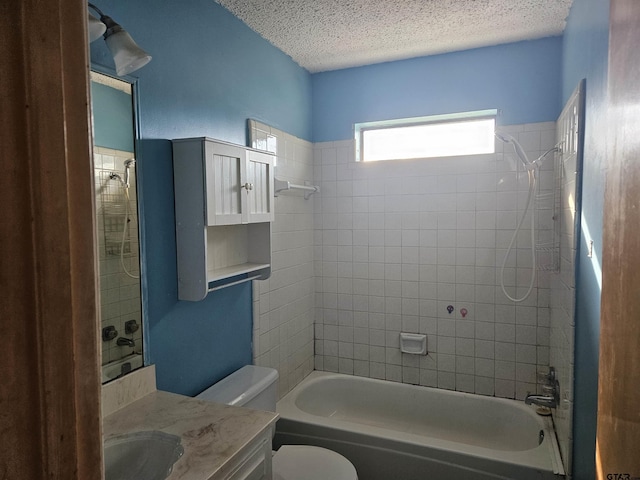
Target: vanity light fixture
[
  {"x": 127, "y": 55},
  {"x": 96, "y": 28}
]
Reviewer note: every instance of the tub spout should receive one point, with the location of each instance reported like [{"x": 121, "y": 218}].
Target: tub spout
[
  {"x": 125, "y": 342},
  {"x": 541, "y": 400}
]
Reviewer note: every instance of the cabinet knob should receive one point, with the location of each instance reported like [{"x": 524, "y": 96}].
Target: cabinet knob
[{"x": 248, "y": 186}]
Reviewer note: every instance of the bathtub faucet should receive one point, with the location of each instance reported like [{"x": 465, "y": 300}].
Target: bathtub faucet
[
  {"x": 542, "y": 400},
  {"x": 550, "y": 389},
  {"x": 125, "y": 342}
]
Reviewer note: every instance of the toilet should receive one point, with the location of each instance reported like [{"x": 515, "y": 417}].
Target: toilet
[{"x": 256, "y": 387}]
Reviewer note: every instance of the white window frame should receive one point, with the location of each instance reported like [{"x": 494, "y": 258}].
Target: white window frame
[{"x": 361, "y": 128}]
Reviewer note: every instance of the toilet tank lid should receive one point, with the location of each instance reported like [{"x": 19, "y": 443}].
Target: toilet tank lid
[{"x": 241, "y": 386}]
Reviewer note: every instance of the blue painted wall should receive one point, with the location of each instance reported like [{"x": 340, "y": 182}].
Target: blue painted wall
[
  {"x": 585, "y": 55},
  {"x": 112, "y": 121},
  {"x": 523, "y": 79},
  {"x": 209, "y": 73}
]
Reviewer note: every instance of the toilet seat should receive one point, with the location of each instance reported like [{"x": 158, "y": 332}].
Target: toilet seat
[{"x": 304, "y": 462}]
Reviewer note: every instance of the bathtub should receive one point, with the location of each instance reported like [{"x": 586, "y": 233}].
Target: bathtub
[{"x": 396, "y": 431}]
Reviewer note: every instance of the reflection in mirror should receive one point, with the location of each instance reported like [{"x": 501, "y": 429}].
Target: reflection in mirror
[{"x": 117, "y": 225}]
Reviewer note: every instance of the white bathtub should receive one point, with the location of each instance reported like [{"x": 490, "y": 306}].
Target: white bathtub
[
  {"x": 113, "y": 370},
  {"x": 395, "y": 431}
]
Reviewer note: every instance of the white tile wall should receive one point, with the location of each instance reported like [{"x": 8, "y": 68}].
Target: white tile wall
[
  {"x": 386, "y": 248},
  {"x": 395, "y": 243},
  {"x": 119, "y": 293},
  {"x": 284, "y": 304}
]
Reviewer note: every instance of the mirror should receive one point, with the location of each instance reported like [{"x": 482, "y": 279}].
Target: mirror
[{"x": 117, "y": 224}]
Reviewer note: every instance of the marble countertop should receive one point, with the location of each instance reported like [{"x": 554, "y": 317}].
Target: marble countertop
[{"x": 212, "y": 434}]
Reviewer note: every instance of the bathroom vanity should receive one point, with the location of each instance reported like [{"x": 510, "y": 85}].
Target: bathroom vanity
[{"x": 220, "y": 442}]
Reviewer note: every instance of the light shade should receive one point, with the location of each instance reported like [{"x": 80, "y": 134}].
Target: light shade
[
  {"x": 127, "y": 55},
  {"x": 96, "y": 28}
]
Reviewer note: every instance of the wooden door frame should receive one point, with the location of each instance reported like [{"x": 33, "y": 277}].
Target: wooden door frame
[
  {"x": 50, "y": 388},
  {"x": 618, "y": 430}
]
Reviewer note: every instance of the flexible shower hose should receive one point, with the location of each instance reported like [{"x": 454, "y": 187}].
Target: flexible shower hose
[
  {"x": 124, "y": 231},
  {"x": 531, "y": 171}
]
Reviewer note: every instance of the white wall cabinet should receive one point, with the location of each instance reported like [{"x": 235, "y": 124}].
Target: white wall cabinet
[
  {"x": 224, "y": 209},
  {"x": 239, "y": 183}
]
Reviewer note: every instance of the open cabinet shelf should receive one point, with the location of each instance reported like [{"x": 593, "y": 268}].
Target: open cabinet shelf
[{"x": 235, "y": 270}]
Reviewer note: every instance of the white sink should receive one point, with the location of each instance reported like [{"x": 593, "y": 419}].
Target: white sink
[{"x": 141, "y": 456}]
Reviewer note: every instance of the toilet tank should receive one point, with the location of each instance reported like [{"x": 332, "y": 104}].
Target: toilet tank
[{"x": 251, "y": 387}]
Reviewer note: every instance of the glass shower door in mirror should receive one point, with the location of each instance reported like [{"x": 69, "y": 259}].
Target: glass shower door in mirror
[{"x": 117, "y": 225}]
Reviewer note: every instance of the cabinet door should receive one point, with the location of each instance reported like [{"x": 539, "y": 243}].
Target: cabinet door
[
  {"x": 259, "y": 180},
  {"x": 225, "y": 170}
]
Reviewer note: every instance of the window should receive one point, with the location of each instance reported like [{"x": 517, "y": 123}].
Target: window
[{"x": 470, "y": 133}]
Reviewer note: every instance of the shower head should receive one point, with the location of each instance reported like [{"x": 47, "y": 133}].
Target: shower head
[
  {"x": 115, "y": 176},
  {"x": 127, "y": 165},
  {"x": 506, "y": 138}
]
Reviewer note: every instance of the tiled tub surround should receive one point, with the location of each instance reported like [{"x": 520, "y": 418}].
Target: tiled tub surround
[
  {"x": 119, "y": 293},
  {"x": 398, "y": 242},
  {"x": 284, "y": 304}
]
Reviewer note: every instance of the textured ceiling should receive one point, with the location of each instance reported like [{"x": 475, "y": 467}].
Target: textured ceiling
[{"x": 325, "y": 35}]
